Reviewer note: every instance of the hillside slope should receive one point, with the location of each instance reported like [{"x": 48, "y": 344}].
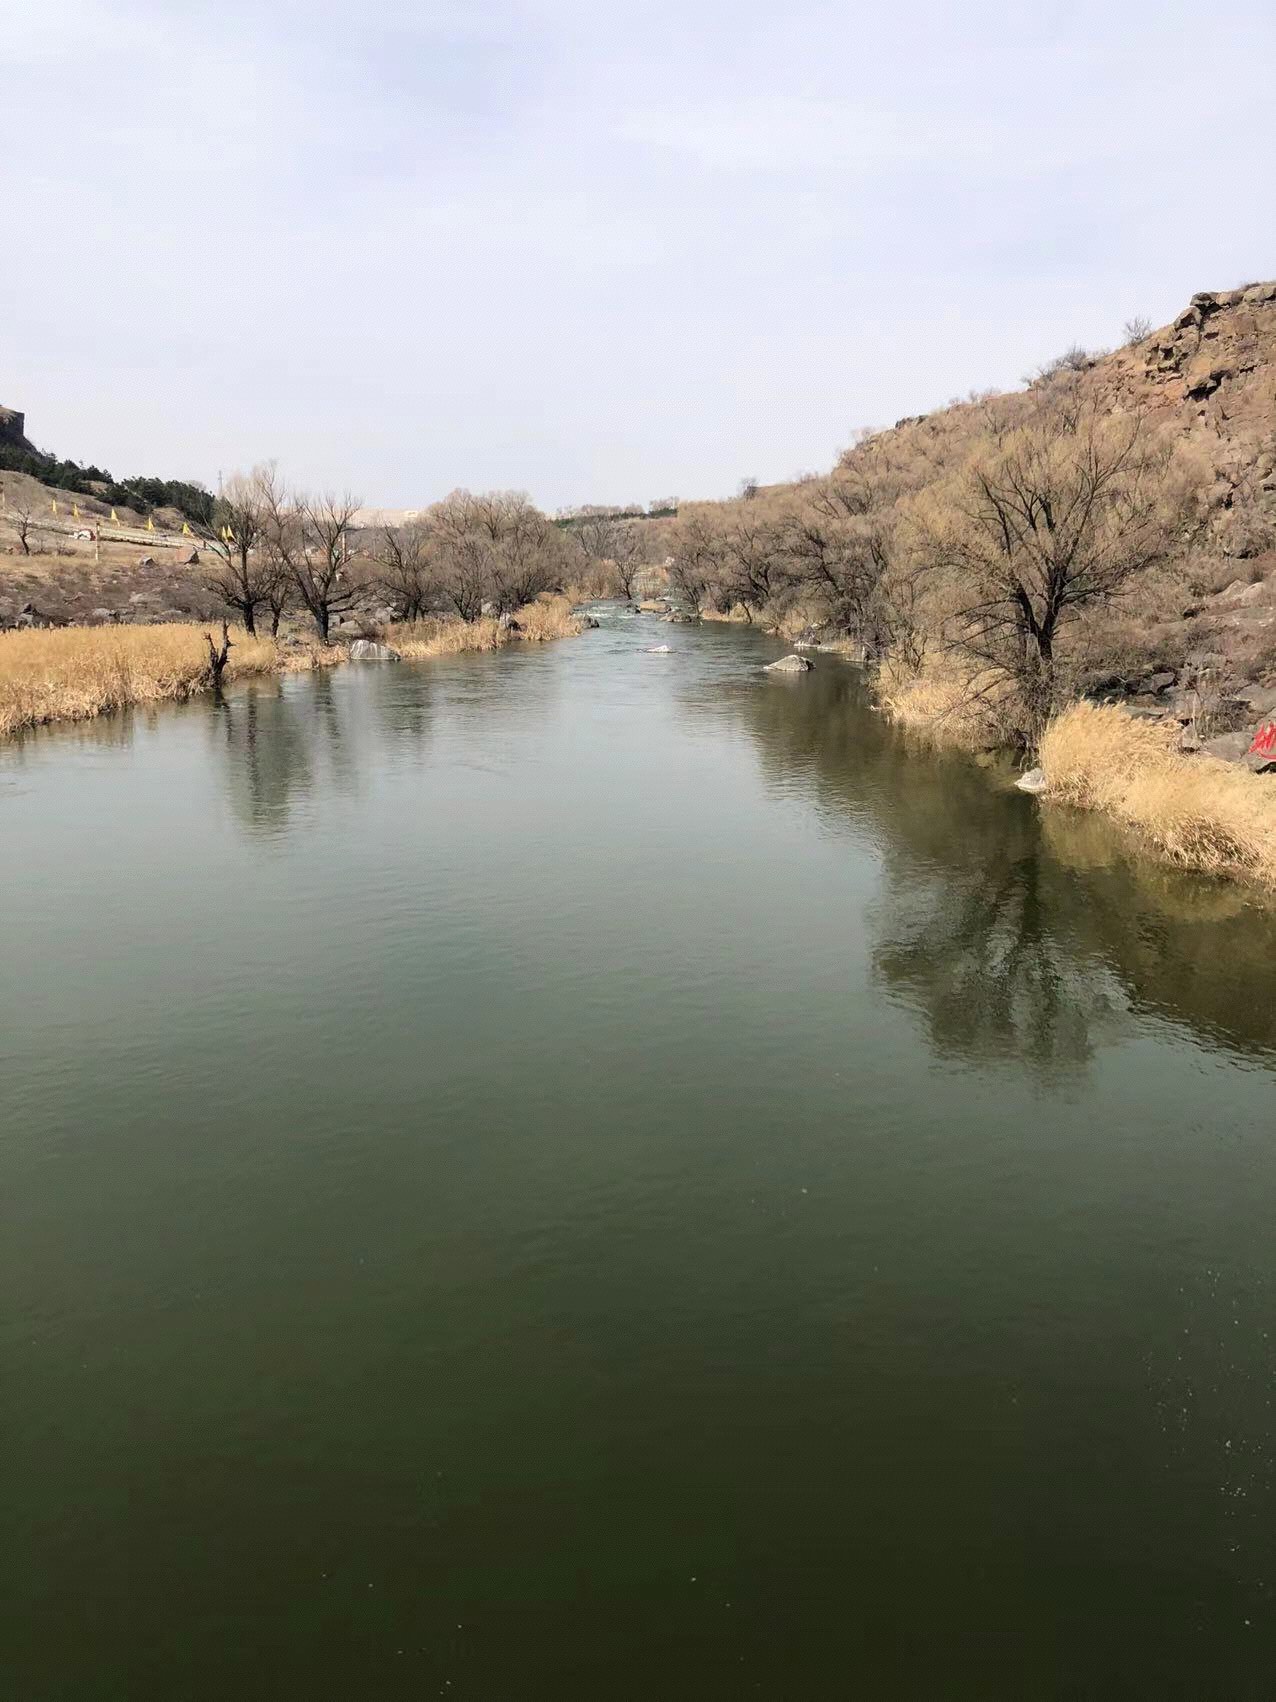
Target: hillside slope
[
  {"x": 898, "y": 549},
  {"x": 1209, "y": 377}
]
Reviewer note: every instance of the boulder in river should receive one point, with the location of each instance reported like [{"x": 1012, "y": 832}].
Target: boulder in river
[
  {"x": 658, "y": 650},
  {"x": 368, "y": 650},
  {"x": 789, "y": 665},
  {"x": 1033, "y": 781}
]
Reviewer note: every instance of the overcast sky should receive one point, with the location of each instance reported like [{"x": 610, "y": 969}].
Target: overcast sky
[{"x": 598, "y": 251}]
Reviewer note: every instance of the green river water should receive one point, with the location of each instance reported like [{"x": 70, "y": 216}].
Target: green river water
[{"x": 583, "y": 1174}]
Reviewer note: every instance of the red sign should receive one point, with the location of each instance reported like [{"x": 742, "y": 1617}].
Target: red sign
[{"x": 1264, "y": 740}]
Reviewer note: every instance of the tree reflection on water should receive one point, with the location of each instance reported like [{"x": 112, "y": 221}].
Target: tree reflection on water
[{"x": 1014, "y": 930}]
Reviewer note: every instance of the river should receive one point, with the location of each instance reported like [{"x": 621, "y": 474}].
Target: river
[{"x": 584, "y": 1174}]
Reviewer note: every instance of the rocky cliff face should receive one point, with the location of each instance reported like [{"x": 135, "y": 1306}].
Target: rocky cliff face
[
  {"x": 12, "y": 429},
  {"x": 1212, "y": 375}
]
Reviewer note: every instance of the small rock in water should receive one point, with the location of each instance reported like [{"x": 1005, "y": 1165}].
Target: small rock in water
[
  {"x": 658, "y": 650},
  {"x": 368, "y": 650},
  {"x": 789, "y": 665},
  {"x": 1033, "y": 781}
]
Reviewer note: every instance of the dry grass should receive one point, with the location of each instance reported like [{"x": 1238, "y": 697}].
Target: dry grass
[
  {"x": 1195, "y": 812},
  {"x": 737, "y": 613},
  {"x": 73, "y": 673},
  {"x": 944, "y": 703},
  {"x": 415, "y": 640},
  {"x": 792, "y": 622},
  {"x": 592, "y": 583},
  {"x": 550, "y": 617}
]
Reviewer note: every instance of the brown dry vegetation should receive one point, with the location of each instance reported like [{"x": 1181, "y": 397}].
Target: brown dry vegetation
[
  {"x": 549, "y": 617},
  {"x": 1192, "y": 811},
  {"x": 1012, "y": 545},
  {"x": 78, "y": 672},
  {"x": 72, "y": 673},
  {"x": 1107, "y": 532},
  {"x": 978, "y": 550}
]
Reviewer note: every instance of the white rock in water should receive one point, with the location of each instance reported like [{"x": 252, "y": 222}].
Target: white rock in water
[
  {"x": 658, "y": 650},
  {"x": 789, "y": 665},
  {"x": 368, "y": 650},
  {"x": 1033, "y": 781}
]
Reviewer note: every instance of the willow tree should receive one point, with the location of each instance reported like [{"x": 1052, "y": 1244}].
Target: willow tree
[
  {"x": 242, "y": 572},
  {"x": 1072, "y": 511},
  {"x": 495, "y": 548},
  {"x": 405, "y": 568},
  {"x": 309, "y": 539}
]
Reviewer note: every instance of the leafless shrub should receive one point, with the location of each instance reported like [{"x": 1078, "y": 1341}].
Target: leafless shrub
[{"x": 1073, "y": 360}]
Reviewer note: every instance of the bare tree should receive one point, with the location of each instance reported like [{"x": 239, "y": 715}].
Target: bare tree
[
  {"x": 1075, "y": 359},
  {"x": 466, "y": 576},
  {"x": 610, "y": 542},
  {"x": 405, "y": 571},
  {"x": 309, "y": 539},
  {"x": 281, "y": 597},
  {"x": 694, "y": 570},
  {"x": 1070, "y": 513},
  {"x": 530, "y": 552},
  {"x": 840, "y": 536},
  {"x": 244, "y": 573},
  {"x": 755, "y": 563},
  {"x": 218, "y": 656},
  {"x": 1136, "y": 329},
  {"x": 733, "y": 555},
  {"x": 495, "y": 548},
  {"x": 22, "y": 511}
]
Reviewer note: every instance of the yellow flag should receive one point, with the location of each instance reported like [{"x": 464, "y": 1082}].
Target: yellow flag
[
  {"x": 115, "y": 517},
  {"x": 53, "y": 504},
  {"x": 186, "y": 531},
  {"x": 150, "y": 524}
]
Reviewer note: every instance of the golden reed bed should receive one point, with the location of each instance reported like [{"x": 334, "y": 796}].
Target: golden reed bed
[
  {"x": 1193, "y": 811},
  {"x": 73, "y": 673},
  {"x": 76, "y": 672}
]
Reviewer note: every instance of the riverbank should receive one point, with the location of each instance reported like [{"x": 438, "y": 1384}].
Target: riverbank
[
  {"x": 1187, "y": 808},
  {"x": 75, "y": 673},
  {"x": 1193, "y": 811}
]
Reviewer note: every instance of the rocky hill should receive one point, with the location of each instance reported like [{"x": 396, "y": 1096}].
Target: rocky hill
[
  {"x": 13, "y": 431},
  {"x": 1212, "y": 376},
  {"x": 1108, "y": 530},
  {"x": 1209, "y": 377}
]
